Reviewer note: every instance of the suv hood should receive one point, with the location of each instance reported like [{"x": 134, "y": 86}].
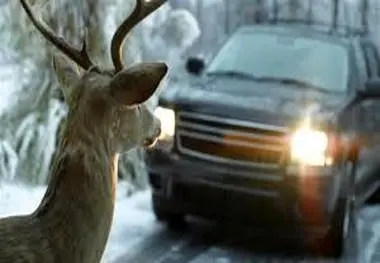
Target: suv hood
[{"x": 271, "y": 103}]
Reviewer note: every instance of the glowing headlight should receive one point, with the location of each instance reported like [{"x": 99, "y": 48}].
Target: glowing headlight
[
  {"x": 167, "y": 118},
  {"x": 308, "y": 147}
]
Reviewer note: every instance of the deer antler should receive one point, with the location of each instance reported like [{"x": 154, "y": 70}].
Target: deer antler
[
  {"x": 142, "y": 9},
  {"x": 79, "y": 56}
]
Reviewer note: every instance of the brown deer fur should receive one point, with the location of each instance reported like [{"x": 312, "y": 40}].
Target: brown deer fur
[{"x": 106, "y": 116}]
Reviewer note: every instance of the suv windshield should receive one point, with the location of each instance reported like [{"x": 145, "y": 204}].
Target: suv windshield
[{"x": 265, "y": 56}]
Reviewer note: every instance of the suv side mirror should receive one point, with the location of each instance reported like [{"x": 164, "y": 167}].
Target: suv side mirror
[
  {"x": 195, "y": 66},
  {"x": 371, "y": 91}
]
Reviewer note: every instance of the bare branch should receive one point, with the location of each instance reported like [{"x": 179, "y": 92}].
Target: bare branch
[{"x": 79, "y": 56}]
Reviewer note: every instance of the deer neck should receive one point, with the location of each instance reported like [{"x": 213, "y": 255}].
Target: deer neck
[{"x": 77, "y": 208}]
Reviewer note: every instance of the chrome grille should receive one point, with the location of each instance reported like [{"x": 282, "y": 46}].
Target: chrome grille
[{"x": 229, "y": 141}]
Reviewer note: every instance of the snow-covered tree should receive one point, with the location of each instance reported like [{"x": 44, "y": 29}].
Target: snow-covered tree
[{"x": 29, "y": 139}]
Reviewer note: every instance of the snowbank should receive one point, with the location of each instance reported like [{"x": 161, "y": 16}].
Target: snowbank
[{"x": 133, "y": 219}]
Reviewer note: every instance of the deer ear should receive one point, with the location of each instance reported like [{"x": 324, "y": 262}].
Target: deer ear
[
  {"x": 137, "y": 84},
  {"x": 66, "y": 72}
]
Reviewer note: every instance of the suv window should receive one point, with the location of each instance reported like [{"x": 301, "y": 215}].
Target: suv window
[{"x": 265, "y": 55}]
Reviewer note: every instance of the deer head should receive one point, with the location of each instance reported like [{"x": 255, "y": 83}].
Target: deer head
[{"x": 108, "y": 103}]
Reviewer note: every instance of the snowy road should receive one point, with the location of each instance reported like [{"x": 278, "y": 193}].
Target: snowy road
[
  {"x": 207, "y": 243},
  {"x": 137, "y": 238}
]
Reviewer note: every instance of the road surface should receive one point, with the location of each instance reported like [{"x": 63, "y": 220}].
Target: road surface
[{"x": 206, "y": 242}]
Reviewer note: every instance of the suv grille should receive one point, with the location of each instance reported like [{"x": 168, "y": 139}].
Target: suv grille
[{"x": 229, "y": 141}]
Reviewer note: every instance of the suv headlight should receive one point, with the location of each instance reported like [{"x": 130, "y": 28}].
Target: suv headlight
[
  {"x": 167, "y": 118},
  {"x": 309, "y": 147}
]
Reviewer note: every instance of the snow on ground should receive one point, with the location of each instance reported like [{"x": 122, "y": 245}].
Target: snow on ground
[{"x": 133, "y": 220}]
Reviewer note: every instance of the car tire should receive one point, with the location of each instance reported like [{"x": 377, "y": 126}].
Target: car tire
[
  {"x": 334, "y": 242},
  {"x": 174, "y": 220}
]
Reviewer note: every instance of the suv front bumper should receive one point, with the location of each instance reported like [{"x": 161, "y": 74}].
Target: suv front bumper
[{"x": 193, "y": 186}]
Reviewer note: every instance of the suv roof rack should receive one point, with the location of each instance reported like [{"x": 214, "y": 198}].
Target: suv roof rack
[{"x": 332, "y": 27}]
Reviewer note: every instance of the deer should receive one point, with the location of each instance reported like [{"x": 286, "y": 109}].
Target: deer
[{"x": 107, "y": 115}]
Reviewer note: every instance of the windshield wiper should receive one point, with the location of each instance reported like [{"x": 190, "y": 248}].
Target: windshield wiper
[
  {"x": 281, "y": 80},
  {"x": 231, "y": 73},
  {"x": 295, "y": 82}
]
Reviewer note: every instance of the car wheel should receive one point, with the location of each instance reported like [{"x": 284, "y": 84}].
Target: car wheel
[
  {"x": 174, "y": 220},
  {"x": 334, "y": 242}
]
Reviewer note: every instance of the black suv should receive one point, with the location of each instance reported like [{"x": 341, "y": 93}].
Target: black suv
[{"x": 248, "y": 139}]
